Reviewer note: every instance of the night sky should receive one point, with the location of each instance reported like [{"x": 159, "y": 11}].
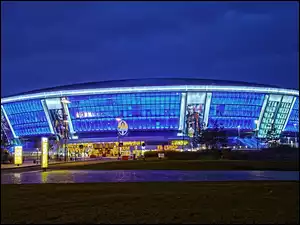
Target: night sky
[{"x": 46, "y": 44}]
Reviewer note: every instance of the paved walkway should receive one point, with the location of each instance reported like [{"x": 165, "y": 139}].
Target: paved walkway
[
  {"x": 30, "y": 163},
  {"x": 92, "y": 176}
]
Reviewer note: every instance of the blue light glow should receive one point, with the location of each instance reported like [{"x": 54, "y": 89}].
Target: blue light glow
[
  {"x": 27, "y": 118},
  {"x": 233, "y": 109},
  {"x": 294, "y": 118},
  {"x": 142, "y": 111}
]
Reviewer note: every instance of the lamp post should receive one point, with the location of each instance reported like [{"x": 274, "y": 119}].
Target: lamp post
[
  {"x": 65, "y": 101},
  {"x": 256, "y": 129},
  {"x": 238, "y": 129},
  {"x": 65, "y": 137},
  {"x": 295, "y": 126},
  {"x": 119, "y": 148}
]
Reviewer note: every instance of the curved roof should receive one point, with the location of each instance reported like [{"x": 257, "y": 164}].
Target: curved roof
[{"x": 146, "y": 82}]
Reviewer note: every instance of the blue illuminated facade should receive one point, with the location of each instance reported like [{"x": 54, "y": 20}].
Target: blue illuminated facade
[
  {"x": 142, "y": 111},
  {"x": 235, "y": 109},
  {"x": 293, "y": 121},
  {"x": 27, "y": 118},
  {"x": 169, "y": 108}
]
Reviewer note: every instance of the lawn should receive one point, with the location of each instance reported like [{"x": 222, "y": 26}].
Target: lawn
[
  {"x": 193, "y": 202},
  {"x": 186, "y": 165}
]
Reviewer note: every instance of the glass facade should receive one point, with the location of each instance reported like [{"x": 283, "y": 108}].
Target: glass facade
[
  {"x": 235, "y": 109},
  {"x": 276, "y": 114},
  {"x": 141, "y": 111},
  {"x": 6, "y": 133},
  {"x": 282, "y": 113},
  {"x": 155, "y": 111},
  {"x": 294, "y": 118},
  {"x": 27, "y": 118}
]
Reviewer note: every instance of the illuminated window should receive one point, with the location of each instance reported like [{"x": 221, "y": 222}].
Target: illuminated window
[
  {"x": 233, "y": 109},
  {"x": 294, "y": 118},
  {"x": 142, "y": 111},
  {"x": 27, "y": 118}
]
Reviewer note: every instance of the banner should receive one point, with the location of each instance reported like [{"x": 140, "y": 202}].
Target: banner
[
  {"x": 58, "y": 118},
  {"x": 194, "y": 114}
]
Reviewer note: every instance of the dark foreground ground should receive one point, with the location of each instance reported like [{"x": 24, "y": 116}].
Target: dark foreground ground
[{"x": 189, "y": 202}]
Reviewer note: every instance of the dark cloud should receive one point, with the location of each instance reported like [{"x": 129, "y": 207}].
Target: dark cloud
[{"x": 46, "y": 44}]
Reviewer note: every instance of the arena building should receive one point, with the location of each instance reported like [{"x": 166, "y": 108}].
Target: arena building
[{"x": 154, "y": 113}]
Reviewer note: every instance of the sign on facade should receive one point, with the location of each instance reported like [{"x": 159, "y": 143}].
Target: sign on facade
[{"x": 122, "y": 128}]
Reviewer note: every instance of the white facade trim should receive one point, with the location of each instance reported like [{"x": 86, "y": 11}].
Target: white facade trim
[{"x": 180, "y": 88}]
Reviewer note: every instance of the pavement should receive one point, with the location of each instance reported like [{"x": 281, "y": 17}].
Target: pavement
[
  {"x": 98, "y": 176},
  {"x": 52, "y": 164}
]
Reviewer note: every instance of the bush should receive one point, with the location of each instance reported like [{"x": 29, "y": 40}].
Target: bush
[
  {"x": 151, "y": 154},
  {"x": 176, "y": 155},
  {"x": 279, "y": 153},
  {"x": 285, "y": 149},
  {"x": 282, "y": 152}
]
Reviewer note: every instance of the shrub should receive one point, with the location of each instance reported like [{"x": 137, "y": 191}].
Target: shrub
[
  {"x": 282, "y": 152},
  {"x": 150, "y": 154},
  {"x": 278, "y": 153},
  {"x": 176, "y": 155}
]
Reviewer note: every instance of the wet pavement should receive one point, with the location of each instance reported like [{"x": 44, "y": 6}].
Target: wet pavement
[{"x": 93, "y": 176}]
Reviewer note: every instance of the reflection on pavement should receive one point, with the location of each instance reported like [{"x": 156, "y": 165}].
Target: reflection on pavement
[{"x": 93, "y": 176}]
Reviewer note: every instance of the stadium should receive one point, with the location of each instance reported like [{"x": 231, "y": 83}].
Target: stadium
[{"x": 155, "y": 114}]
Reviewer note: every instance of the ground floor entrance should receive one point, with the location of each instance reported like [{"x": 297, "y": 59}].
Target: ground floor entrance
[{"x": 105, "y": 149}]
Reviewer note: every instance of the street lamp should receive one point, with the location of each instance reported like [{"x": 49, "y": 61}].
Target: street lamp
[
  {"x": 295, "y": 126},
  {"x": 65, "y": 101},
  {"x": 256, "y": 128},
  {"x": 65, "y": 137},
  {"x": 238, "y": 129},
  {"x": 118, "y": 119}
]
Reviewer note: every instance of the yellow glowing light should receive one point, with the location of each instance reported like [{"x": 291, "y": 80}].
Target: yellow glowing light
[
  {"x": 167, "y": 147},
  {"x": 179, "y": 142},
  {"x": 18, "y": 155},
  {"x": 44, "y": 152},
  {"x": 44, "y": 176}
]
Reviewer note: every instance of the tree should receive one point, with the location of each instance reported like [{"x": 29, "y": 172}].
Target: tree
[
  {"x": 222, "y": 137},
  {"x": 215, "y": 137},
  {"x": 272, "y": 137}
]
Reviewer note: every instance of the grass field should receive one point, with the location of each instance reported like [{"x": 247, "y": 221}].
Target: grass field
[
  {"x": 187, "y": 165},
  {"x": 193, "y": 202}
]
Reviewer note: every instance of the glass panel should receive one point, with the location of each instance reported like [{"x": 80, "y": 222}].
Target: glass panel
[
  {"x": 142, "y": 111},
  {"x": 27, "y": 118},
  {"x": 233, "y": 109},
  {"x": 294, "y": 118}
]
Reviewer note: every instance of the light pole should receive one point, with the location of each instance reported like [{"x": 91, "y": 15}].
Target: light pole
[
  {"x": 256, "y": 129},
  {"x": 238, "y": 127},
  {"x": 119, "y": 148},
  {"x": 65, "y": 137},
  {"x": 295, "y": 126},
  {"x": 65, "y": 101}
]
